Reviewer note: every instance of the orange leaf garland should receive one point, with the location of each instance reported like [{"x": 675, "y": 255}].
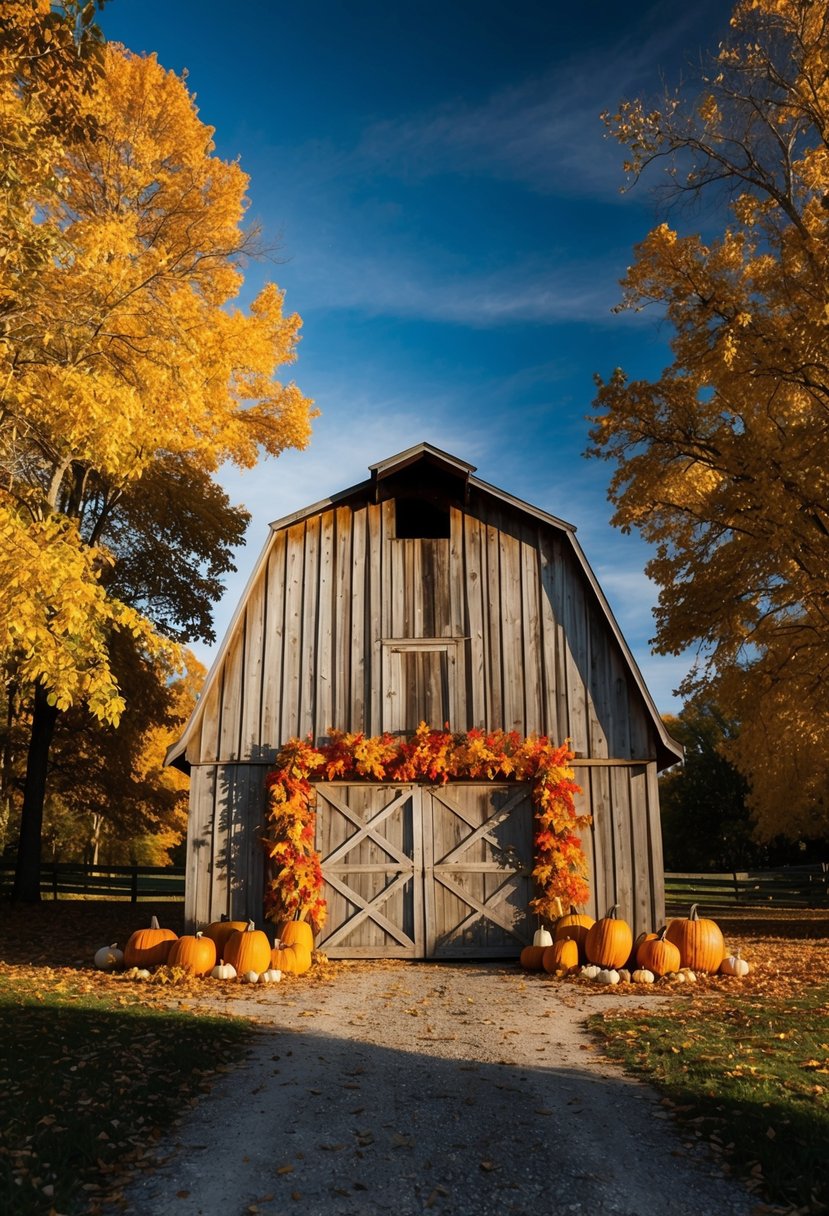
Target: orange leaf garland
[{"x": 560, "y": 868}]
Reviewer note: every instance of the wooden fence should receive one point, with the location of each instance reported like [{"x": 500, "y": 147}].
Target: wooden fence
[
  {"x": 60, "y": 880},
  {"x": 789, "y": 887}
]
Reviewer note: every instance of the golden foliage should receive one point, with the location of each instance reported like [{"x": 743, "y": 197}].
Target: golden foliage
[
  {"x": 723, "y": 461},
  {"x": 121, "y": 346}
]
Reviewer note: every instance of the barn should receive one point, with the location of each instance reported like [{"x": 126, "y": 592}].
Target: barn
[{"x": 423, "y": 594}]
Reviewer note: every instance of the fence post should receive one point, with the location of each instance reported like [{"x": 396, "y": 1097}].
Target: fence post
[
  {"x": 736, "y": 887},
  {"x": 134, "y": 897},
  {"x": 54, "y": 880}
]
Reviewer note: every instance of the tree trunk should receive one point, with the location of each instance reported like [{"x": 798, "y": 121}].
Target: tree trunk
[{"x": 27, "y": 874}]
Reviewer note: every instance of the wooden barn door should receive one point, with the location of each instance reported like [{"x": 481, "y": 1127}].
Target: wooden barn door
[
  {"x": 370, "y": 840},
  {"x": 477, "y": 870},
  {"x": 416, "y": 872}
]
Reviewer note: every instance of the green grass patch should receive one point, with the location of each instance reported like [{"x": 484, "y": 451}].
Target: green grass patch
[
  {"x": 752, "y": 1076},
  {"x": 88, "y": 1084}
]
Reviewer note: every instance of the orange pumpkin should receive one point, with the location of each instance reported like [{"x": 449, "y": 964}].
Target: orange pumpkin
[
  {"x": 197, "y": 955},
  {"x": 657, "y": 954},
  {"x": 574, "y": 926},
  {"x": 609, "y": 941},
  {"x": 220, "y": 930},
  {"x": 561, "y": 956},
  {"x": 292, "y": 931},
  {"x": 531, "y": 957},
  {"x": 149, "y": 947},
  {"x": 700, "y": 941},
  {"x": 248, "y": 950}
]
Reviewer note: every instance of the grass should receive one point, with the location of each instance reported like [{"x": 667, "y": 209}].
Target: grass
[
  {"x": 748, "y": 1072},
  {"x": 89, "y": 1082}
]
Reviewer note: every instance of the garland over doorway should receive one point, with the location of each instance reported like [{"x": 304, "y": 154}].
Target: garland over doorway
[{"x": 427, "y": 756}]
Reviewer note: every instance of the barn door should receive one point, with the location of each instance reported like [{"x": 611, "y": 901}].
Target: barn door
[
  {"x": 477, "y": 870},
  {"x": 415, "y": 872},
  {"x": 370, "y": 840}
]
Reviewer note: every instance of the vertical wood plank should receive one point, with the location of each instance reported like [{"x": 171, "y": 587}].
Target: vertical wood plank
[
  {"x": 531, "y": 641},
  {"x": 473, "y": 587},
  {"x": 324, "y": 658},
  {"x": 497, "y": 717},
  {"x": 230, "y": 729},
  {"x": 376, "y": 574},
  {"x": 340, "y": 671},
  {"x": 622, "y": 840},
  {"x": 271, "y": 737},
  {"x": 199, "y": 847},
  {"x": 253, "y": 674},
  {"x": 553, "y": 726},
  {"x": 310, "y": 628},
  {"x": 641, "y": 878},
  {"x": 656, "y": 861},
  {"x": 208, "y": 750},
  {"x": 511, "y": 643},
  {"x": 359, "y": 631},
  {"x": 292, "y": 647}
]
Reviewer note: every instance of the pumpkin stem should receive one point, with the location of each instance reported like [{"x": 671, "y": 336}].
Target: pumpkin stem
[
  {"x": 251, "y": 927},
  {"x": 694, "y": 914},
  {"x": 660, "y": 937},
  {"x": 154, "y": 923},
  {"x": 611, "y": 912}
]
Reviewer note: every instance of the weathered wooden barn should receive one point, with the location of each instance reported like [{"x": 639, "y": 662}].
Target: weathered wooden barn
[{"x": 423, "y": 594}]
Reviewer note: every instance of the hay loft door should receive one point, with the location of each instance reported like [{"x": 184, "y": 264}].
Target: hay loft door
[{"x": 416, "y": 872}]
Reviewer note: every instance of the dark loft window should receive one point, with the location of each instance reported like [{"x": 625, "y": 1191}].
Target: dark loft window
[{"x": 418, "y": 519}]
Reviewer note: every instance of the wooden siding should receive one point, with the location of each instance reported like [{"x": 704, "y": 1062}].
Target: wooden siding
[{"x": 527, "y": 642}]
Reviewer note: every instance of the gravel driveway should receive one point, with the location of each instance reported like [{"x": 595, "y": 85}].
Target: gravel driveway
[{"x": 455, "y": 1089}]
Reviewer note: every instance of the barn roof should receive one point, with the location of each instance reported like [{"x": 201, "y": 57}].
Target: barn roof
[{"x": 370, "y": 490}]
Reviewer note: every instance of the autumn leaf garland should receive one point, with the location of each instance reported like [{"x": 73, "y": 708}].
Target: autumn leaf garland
[{"x": 427, "y": 756}]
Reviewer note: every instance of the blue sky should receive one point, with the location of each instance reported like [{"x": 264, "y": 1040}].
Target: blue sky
[{"x": 448, "y": 223}]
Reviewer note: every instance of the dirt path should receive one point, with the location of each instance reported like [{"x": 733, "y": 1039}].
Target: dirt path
[{"x": 455, "y": 1090}]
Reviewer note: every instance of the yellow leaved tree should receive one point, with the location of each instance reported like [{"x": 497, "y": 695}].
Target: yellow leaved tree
[
  {"x": 124, "y": 362},
  {"x": 723, "y": 461}
]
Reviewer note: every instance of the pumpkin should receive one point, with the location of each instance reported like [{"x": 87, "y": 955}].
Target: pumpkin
[
  {"x": 735, "y": 965},
  {"x": 223, "y": 971},
  {"x": 574, "y": 925},
  {"x": 302, "y": 958},
  {"x": 531, "y": 957},
  {"x": 700, "y": 942},
  {"x": 643, "y": 976},
  {"x": 220, "y": 930},
  {"x": 283, "y": 958},
  {"x": 292, "y": 931},
  {"x": 109, "y": 957},
  {"x": 688, "y": 975},
  {"x": 250, "y": 977},
  {"x": 658, "y": 955},
  {"x": 248, "y": 950},
  {"x": 624, "y": 975},
  {"x": 271, "y": 976},
  {"x": 197, "y": 955},
  {"x": 560, "y": 956},
  {"x": 542, "y": 937},
  {"x": 590, "y": 971},
  {"x": 609, "y": 941},
  {"x": 149, "y": 947}
]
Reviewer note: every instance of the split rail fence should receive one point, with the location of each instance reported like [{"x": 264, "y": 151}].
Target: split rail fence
[
  {"x": 794, "y": 887},
  {"x": 71, "y": 880}
]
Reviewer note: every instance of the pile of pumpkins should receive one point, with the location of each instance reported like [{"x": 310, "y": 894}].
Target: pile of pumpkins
[
  {"x": 226, "y": 950},
  {"x": 604, "y": 950}
]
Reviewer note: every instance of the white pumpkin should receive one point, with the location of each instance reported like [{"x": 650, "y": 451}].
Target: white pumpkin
[
  {"x": 734, "y": 965},
  {"x": 607, "y": 975},
  {"x": 688, "y": 975},
  {"x": 542, "y": 937},
  {"x": 624, "y": 975},
  {"x": 590, "y": 971},
  {"x": 643, "y": 976},
  {"x": 271, "y": 976},
  {"x": 250, "y": 977},
  {"x": 109, "y": 957},
  {"x": 223, "y": 971}
]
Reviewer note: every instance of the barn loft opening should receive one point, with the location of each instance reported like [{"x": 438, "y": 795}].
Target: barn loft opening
[{"x": 419, "y": 519}]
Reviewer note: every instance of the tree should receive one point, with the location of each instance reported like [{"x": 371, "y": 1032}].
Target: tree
[
  {"x": 128, "y": 378},
  {"x": 723, "y": 461}
]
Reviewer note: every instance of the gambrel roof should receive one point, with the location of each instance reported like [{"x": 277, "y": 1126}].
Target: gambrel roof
[{"x": 434, "y": 467}]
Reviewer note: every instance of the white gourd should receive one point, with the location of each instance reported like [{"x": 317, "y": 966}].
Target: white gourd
[
  {"x": 624, "y": 975},
  {"x": 542, "y": 937},
  {"x": 271, "y": 976},
  {"x": 607, "y": 975},
  {"x": 590, "y": 971},
  {"x": 734, "y": 965},
  {"x": 688, "y": 975},
  {"x": 250, "y": 977},
  {"x": 109, "y": 957},
  {"x": 223, "y": 971},
  {"x": 643, "y": 976}
]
